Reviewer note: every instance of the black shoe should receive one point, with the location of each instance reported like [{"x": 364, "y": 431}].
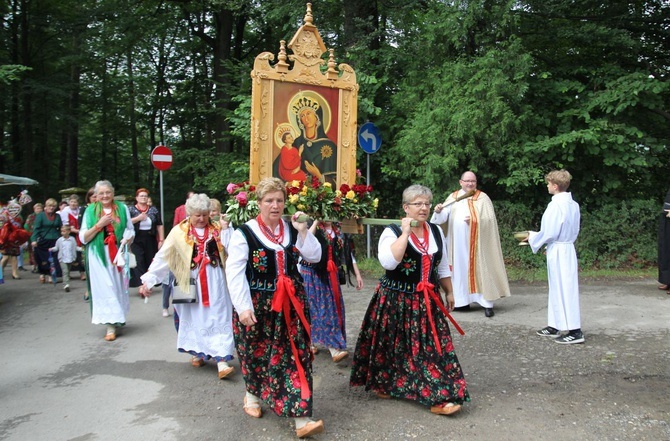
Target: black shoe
[
  {"x": 548, "y": 332},
  {"x": 462, "y": 308},
  {"x": 571, "y": 338},
  {"x": 22, "y": 269},
  {"x": 488, "y": 312}
]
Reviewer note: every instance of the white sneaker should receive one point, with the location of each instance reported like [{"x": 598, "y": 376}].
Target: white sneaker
[
  {"x": 165, "y": 313},
  {"x": 66, "y": 288}
]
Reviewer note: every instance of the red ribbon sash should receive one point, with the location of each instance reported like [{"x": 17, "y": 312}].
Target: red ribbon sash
[
  {"x": 110, "y": 241},
  {"x": 428, "y": 288},
  {"x": 74, "y": 223},
  {"x": 202, "y": 259},
  {"x": 282, "y": 300},
  {"x": 335, "y": 283},
  {"x": 429, "y": 293}
]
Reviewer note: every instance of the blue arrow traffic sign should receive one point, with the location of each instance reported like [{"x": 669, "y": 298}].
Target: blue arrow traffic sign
[{"x": 369, "y": 138}]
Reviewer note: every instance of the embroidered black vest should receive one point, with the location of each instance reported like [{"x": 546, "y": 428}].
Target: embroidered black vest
[
  {"x": 321, "y": 266},
  {"x": 212, "y": 250},
  {"x": 261, "y": 269},
  {"x": 407, "y": 274}
]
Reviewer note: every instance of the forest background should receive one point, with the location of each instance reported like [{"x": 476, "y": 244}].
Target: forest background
[{"x": 508, "y": 89}]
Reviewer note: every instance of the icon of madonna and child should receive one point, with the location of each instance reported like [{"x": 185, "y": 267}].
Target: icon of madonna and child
[{"x": 305, "y": 150}]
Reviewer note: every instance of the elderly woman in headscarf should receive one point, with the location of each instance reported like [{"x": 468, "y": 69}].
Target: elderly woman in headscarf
[
  {"x": 272, "y": 330},
  {"x": 106, "y": 229},
  {"x": 194, "y": 252}
]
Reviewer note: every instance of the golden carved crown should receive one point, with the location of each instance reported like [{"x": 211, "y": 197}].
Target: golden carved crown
[{"x": 303, "y": 103}]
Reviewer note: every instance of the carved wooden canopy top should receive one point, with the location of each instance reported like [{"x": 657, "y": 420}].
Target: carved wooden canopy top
[
  {"x": 308, "y": 48},
  {"x": 302, "y": 71}
]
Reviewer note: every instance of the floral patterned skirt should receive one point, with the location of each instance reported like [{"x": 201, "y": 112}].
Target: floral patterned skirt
[
  {"x": 396, "y": 352},
  {"x": 266, "y": 356},
  {"x": 326, "y": 327}
]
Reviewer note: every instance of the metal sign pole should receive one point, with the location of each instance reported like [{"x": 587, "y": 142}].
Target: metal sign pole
[
  {"x": 368, "y": 226},
  {"x": 160, "y": 177}
]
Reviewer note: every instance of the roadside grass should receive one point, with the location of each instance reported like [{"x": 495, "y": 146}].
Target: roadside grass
[{"x": 371, "y": 268}]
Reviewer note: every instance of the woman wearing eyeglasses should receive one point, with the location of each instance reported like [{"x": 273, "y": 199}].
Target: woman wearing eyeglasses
[
  {"x": 404, "y": 349},
  {"x": 473, "y": 242}
]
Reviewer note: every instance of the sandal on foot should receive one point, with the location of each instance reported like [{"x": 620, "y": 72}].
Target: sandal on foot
[
  {"x": 311, "y": 428},
  {"x": 197, "y": 361},
  {"x": 252, "y": 409},
  {"x": 110, "y": 336},
  {"x": 315, "y": 350},
  {"x": 42, "y": 278},
  {"x": 339, "y": 356},
  {"x": 382, "y": 395},
  {"x": 446, "y": 409},
  {"x": 224, "y": 370}
]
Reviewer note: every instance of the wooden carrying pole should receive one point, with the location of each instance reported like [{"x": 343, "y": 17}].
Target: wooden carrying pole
[{"x": 384, "y": 222}]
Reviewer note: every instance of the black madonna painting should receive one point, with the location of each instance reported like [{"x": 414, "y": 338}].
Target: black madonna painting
[
  {"x": 306, "y": 133},
  {"x": 303, "y": 113}
]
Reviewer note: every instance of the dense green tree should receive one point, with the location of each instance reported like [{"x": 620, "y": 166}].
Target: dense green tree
[{"x": 509, "y": 89}]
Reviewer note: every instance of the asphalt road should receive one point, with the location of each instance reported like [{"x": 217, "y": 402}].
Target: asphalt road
[{"x": 61, "y": 381}]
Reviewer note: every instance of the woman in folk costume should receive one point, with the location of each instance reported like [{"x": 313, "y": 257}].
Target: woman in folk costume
[
  {"x": 105, "y": 230},
  {"x": 322, "y": 283},
  {"x": 194, "y": 252},
  {"x": 404, "y": 349},
  {"x": 271, "y": 324}
]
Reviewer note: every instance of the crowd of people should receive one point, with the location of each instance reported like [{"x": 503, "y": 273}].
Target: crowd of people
[{"x": 269, "y": 292}]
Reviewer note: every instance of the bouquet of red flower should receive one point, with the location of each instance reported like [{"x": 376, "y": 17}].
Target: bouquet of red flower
[
  {"x": 358, "y": 201},
  {"x": 241, "y": 204},
  {"x": 320, "y": 201},
  {"x": 315, "y": 198}
]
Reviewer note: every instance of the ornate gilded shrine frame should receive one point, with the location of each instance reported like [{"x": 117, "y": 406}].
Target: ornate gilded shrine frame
[{"x": 317, "y": 109}]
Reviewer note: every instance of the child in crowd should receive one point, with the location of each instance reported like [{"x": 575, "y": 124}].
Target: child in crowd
[
  {"x": 558, "y": 231},
  {"x": 66, "y": 246}
]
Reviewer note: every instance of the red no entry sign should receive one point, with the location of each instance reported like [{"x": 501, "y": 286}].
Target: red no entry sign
[{"x": 161, "y": 157}]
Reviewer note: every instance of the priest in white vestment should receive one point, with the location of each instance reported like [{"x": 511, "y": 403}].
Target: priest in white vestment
[{"x": 473, "y": 244}]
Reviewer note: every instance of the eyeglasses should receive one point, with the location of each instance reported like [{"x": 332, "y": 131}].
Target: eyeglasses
[
  {"x": 421, "y": 204},
  {"x": 468, "y": 181}
]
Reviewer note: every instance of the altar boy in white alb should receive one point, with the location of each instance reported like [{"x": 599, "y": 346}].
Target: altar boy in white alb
[{"x": 559, "y": 230}]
